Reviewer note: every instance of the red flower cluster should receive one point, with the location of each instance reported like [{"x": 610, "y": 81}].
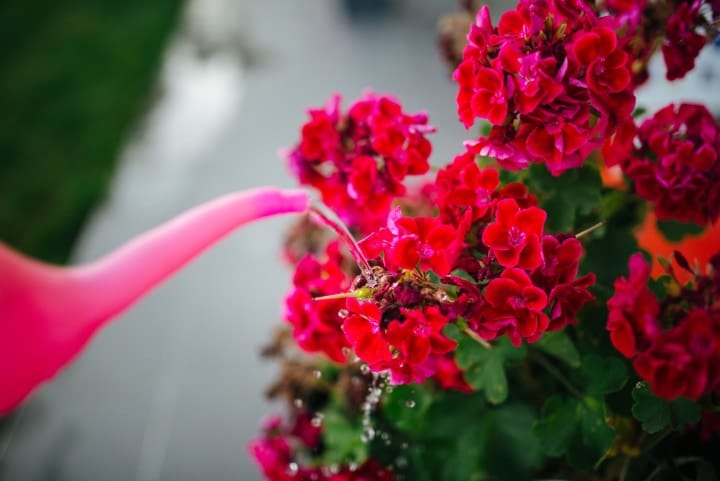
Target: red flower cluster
[
  {"x": 409, "y": 242},
  {"x": 317, "y": 324},
  {"x": 552, "y": 80},
  {"x": 682, "y": 42},
  {"x": 523, "y": 284},
  {"x": 275, "y": 454},
  {"x": 359, "y": 160},
  {"x": 684, "y": 358},
  {"x": 405, "y": 342},
  {"x": 674, "y": 162}
]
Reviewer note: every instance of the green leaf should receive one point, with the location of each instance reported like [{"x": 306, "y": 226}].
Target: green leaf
[
  {"x": 656, "y": 414},
  {"x": 574, "y": 427},
  {"x": 574, "y": 193},
  {"x": 485, "y": 368},
  {"x": 675, "y": 231},
  {"x": 406, "y": 406},
  {"x": 560, "y": 215},
  {"x": 453, "y": 332},
  {"x": 557, "y": 425},
  {"x": 342, "y": 439},
  {"x": 510, "y": 452},
  {"x": 706, "y": 472},
  {"x": 603, "y": 375},
  {"x": 558, "y": 344}
]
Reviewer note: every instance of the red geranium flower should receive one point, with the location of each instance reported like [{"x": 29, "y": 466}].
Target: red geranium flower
[
  {"x": 682, "y": 361},
  {"x": 516, "y": 307},
  {"x": 633, "y": 310},
  {"x": 514, "y": 237}
]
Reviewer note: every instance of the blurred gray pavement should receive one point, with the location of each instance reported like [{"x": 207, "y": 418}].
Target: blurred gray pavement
[{"x": 173, "y": 389}]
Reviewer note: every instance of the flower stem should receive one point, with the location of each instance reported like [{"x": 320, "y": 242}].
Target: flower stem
[
  {"x": 589, "y": 229},
  {"x": 557, "y": 374},
  {"x": 328, "y": 218},
  {"x": 474, "y": 336}
]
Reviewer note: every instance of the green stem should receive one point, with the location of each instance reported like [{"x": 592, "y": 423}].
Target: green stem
[{"x": 556, "y": 373}]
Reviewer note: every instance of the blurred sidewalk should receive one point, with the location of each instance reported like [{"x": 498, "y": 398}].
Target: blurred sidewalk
[{"x": 173, "y": 390}]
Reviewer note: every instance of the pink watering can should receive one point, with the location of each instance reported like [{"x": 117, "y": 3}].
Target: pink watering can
[{"x": 49, "y": 313}]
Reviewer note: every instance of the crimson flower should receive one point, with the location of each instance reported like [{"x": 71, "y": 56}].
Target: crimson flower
[
  {"x": 516, "y": 307},
  {"x": 463, "y": 186},
  {"x": 405, "y": 342},
  {"x": 633, "y": 310},
  {"x": 316, "y": 324},
  {"x": 552, "y": 79},
  {"x": 411, "y": 241},
  {"x": 682, "y": 43},
  {"x": 683, "y": 361},
  {"x": 514, "y": 237},
  {"x": 364, "y": 330},
  {"x": 677, "y": 166},
  {"x": 359, "y": 160},
  {"x": 420, "y": 334},
  {"x": 450, "y": 376}
]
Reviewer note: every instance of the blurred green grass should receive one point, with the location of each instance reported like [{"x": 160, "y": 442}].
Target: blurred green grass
[{"x": 74, "y": 77}]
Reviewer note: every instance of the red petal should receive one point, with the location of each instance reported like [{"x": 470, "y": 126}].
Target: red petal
[
  {"x": 587, "y": 48},
  {"x": 531, "y": 220},
  {"x": 506, "y": 210},
  {"x": 499, "y": 290}
]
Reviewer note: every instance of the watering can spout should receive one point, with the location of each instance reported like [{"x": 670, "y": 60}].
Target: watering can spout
[{"x": 49, "y": 313}]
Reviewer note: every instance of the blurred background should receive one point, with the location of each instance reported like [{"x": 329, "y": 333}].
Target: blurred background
[{"x": 117, "y": 116}]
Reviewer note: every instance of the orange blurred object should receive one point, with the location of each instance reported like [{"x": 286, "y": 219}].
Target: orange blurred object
[
  {"x": 695, "y": 248},
  {"x": 612, "y": 176}
]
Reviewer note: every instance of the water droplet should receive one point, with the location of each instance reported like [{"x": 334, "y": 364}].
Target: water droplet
[
  {"x": 298, "y": 403},
  {"x": 401, "y": 462},
  {"x": 442, "y": 296},
  {"x": 292, "y": 469},
  {"x": 639, "y": 385},
  {"x": 353, "y": 467},
  {"x": 385, "y": 436},
  {"x": 364, "y": 368},
  {"x": 343, "y": 313},
  {"x": 317, "y": 374},
  {"x": 404, "y": 445},
  {"x": 389, "y": 389},
  {"x": 368, "y": 434},
  {"x": 317, "y": 420},
  {"x": 410, "y": 403}
]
